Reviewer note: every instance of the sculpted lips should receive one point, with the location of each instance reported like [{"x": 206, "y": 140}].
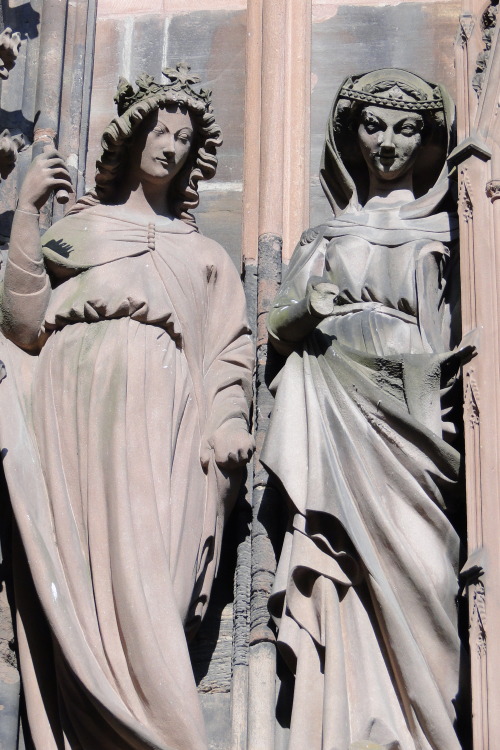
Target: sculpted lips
[{"x": 386, "y": 156}]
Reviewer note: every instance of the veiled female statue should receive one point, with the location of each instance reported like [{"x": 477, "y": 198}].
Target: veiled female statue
[
  {"x": 362, "y": 434},
  {"x": 123, "y": 457}
]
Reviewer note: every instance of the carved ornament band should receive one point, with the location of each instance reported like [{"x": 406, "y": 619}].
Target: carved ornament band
[{"x": 388, "y": 102}]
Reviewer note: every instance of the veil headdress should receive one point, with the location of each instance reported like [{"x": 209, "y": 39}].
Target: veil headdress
[{"x": 343, "y": 172}]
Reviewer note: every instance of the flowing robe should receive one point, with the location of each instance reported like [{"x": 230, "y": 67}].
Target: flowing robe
[
  {"x": 148, "y": 353},
  {"x": 365, "y": 591}
]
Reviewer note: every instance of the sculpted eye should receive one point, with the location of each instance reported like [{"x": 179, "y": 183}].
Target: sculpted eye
[
  {"x": 184, "y": 137},
  {"x": 371, "y": 127},
  {"x": 159, "y": 130},
  {"x": 408, "y": 130}
]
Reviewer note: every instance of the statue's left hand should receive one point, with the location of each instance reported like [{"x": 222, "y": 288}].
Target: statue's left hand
[{"x": 231, "y": 444}]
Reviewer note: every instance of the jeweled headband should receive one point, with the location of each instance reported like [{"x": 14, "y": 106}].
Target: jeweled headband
[{"x": 392, "y": 102}]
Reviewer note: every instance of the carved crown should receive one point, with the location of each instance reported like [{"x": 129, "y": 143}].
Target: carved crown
[
  {"x": 396, "y": 95},
  {"x": 179, "y": 81}
]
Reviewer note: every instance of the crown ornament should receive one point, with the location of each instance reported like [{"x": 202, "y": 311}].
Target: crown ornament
[
  {"x": 178, "y": 87},
  {"x": 394, "y": 97}
]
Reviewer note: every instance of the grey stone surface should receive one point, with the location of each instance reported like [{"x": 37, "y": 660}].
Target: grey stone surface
[
  {"x": 216, "y": 708},
  {"x": 9, "y": 706},
  {"x": 213, "y": 42},
  {"x": 219, "y": 217}
]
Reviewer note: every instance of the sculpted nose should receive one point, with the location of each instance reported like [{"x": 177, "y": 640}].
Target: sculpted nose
[
  {"x": 168, "y": 144},
  {"x": 387, "y": 140}
]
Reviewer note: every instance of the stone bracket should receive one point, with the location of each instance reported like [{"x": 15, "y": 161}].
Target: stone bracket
[{"x": 471, "y": 146}]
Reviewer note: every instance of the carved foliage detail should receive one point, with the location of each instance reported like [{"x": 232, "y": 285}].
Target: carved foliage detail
[
  {"x": 465, "y": 28},
  {"x": 488, "y": 24},
  {"x": 471, "y": 400},
  {"x": 465, "y": 204}
]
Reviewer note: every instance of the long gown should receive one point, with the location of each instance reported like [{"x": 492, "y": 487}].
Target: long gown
[
  {"x": 148, "y": 354},
  {"x": 367, "y": 579}
]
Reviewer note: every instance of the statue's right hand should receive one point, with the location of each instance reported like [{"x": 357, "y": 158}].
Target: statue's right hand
[
  {"x": 47, "y": 173},
  {"x": 321, "y": 296}
]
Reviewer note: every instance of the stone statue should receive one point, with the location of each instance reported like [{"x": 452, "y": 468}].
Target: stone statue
[
  {"x": 124, "y": 454},
  {"x": 362, "y": 436}
]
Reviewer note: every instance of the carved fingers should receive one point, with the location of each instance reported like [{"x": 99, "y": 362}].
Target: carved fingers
[
  {"x": 48, "y": 173},
  {"x": 232, "y": 446}
]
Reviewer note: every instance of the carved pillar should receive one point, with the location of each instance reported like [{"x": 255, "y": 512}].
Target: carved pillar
[
  {"x": 296, "y": 121},
  {"x": 477, "y": 160},
  {"x": 262, "y": 661},
  {"x": 276, "y": 206}
]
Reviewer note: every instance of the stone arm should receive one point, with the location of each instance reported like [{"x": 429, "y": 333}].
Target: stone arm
[
  {"x": 292, "y": 322},
  {"x": 26, "y": 285},
  {"x": 306, "y": 296},
  {"x": 227, "y": 367}
]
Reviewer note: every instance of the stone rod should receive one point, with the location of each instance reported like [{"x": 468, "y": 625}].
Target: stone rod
[
  {"x": 75, "y": 94},
  {"x": 49, "y": 84}
]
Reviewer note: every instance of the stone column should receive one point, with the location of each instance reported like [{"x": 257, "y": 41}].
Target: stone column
[
  {"x": 276, "y": 210},
  {"x": 477, "y": 161}
]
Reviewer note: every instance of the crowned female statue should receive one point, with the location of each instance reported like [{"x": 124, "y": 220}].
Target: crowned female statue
[
  {"x": 362, "y": 437},
  {"x": 124, "y": 455}
]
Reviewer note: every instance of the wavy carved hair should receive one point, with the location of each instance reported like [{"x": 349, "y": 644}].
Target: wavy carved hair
[{"x": 201, "y": 164}]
